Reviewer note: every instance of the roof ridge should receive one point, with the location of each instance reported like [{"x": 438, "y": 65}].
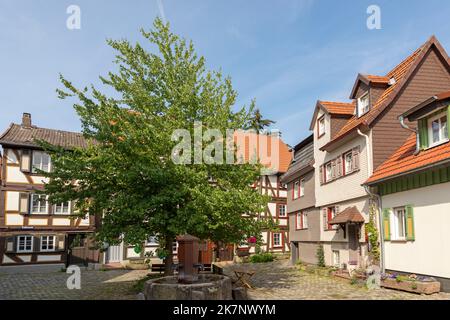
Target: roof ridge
[
  {"x": 55, "y": 130},
  {"x": 336, "y": 102},
  {"x": 401, "y": 72}
]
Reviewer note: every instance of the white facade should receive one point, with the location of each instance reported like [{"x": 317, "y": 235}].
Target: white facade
[{"x": 429, "y": 252}]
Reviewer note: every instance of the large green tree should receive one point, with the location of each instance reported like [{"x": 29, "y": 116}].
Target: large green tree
[{"x": 126, "y": 174}]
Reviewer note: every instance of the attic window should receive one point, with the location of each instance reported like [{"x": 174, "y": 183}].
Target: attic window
[
  {"x": 438, "y": 129},
  {"x": 363, "y": 104},
  {"x": 321, "y": 126}
]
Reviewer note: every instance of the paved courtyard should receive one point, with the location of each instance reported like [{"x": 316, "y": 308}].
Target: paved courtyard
[
  {"x": 95, "y": 285},
  {"x": 275, "y": 280},
  {"x": 278, "y": 280}
]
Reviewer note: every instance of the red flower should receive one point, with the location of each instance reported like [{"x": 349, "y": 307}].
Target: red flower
[{"x": 252, "y": 240}]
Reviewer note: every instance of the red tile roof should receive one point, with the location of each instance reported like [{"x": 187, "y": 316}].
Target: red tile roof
[
  {"x": 350, "y": 214},
  {"x": 377, "y": 79},
  {"x": 400, "y": 73},
  {"x": 403, "y": 160},
  {"x": 339, "y": 108},
  {"x": 278, "y": 159}
]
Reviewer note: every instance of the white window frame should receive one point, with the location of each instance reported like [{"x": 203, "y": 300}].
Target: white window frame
[
  {"x": 296, "y": 189},
  {"x": 304, "y": 220},
  {"x": 279, "y": 239},
  {"x": 284, "y": 211},
  {"x": 32, "y": 207},
  {"x": 396, "y": 222},
  {"x": 350, "y": 169},
  {"x": 330, "y": 172},
  {"x": 363, "y": 108},
  {"x": 41, "y": 154},
  {"x": 55, "y": 206},
  {"x": 25, "y": 243},
  {"x": 336, "y": 258},
  {"x": 151, "y": 241},
  {"x": 443, "y": 138},
  {"x": 47, "y": 242},
  {"x": 298, "y": 221},
  {"x": 302, "y": 187},
  {"x": 321, "y": 126}
]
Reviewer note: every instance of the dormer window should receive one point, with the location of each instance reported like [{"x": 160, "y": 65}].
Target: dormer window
[
  {"x": 363, "y": 104},
  {"x": 433, "y": 129},
  {"x": 321, "y": 126},
  {"x": 438, "y": 129}
]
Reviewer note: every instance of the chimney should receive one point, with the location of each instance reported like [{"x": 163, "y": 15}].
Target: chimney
[{"x": 26, "y": 120}]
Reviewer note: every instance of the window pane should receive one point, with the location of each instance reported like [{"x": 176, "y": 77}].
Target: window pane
[
  {"x": 435, "y": 129},
  {"x": 348, "y": 162},
  {"x": 444, "y": 129}
]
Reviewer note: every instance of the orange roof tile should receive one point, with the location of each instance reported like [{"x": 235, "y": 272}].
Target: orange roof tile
[
  {"x": 403, "y": 160},
  {"x": 398, "y": 73},
  {"x": 339, "y": 108},
  {"x": 278, "y": 159},
  {"x": 377, "y": 79}
]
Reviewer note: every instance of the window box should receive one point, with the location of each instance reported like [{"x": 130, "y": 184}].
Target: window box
[{"x": 405, "y": 283}]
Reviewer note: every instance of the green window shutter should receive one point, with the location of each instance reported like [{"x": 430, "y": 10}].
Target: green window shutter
[
  {"x": 423, "y": 133},
  {"x": 409, "y": 223},
  {"x": 386, "y": 224}
]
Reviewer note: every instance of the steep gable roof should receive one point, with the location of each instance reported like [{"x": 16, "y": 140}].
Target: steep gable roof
[
  {"x": 333, "y": 108},
  {"x": 19, "y": 135},
  {"x": 401, "y": 73},
  {"x": 368, "y": 79},
  {"x": 262, "y": 148}
]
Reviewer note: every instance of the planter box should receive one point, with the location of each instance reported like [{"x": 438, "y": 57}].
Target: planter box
[{"x": 412, "y": 286}]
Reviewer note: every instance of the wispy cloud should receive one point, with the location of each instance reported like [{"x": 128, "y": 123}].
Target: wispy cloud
[{"x": 161, "y": 10}]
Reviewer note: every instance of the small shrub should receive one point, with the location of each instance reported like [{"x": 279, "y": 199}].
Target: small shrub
[
  {"x": 262, "y": 257},
  {"x": 320, "y": 254}
]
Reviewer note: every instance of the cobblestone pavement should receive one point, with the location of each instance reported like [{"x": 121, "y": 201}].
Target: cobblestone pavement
[
  {"x": 95, "y": 285},
  {"x": 277, "y": 280}
]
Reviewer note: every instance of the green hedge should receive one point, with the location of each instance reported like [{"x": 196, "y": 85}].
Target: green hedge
[{"x": 262, "y": 257}]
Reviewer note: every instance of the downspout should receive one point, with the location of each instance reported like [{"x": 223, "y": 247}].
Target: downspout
[
  {"x": 376, "y": 196},
  {"x": 403, "y": 124},
  {"x": 369, "y": 155}
]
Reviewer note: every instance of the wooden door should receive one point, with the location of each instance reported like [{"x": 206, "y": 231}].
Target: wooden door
[{"x": 353, "y": 244}]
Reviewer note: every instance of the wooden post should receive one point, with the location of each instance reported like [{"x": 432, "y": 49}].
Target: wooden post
[{"x": 187, "y": 258}]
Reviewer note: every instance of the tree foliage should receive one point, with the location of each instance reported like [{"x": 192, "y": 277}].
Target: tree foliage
[{"x": 126, "y": 174}]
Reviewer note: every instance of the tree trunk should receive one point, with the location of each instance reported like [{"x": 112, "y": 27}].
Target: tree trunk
[
  {"x": 168, "y": 271},
  {"x": 218, "y": 246}
]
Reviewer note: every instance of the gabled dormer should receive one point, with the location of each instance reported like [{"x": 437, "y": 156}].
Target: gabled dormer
[
  {"x": 366, "y": 91},
  {"x": 329, "y": 117},
  {"x": 431, "y": 117}
]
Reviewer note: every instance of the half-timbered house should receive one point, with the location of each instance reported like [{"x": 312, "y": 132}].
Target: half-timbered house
[
  {"x": 32, "y": 230},
  {"x": 275, "y": 156}
]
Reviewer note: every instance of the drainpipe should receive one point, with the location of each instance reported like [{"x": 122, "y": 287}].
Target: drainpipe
[
  {"x": 403, "y": 124},
  {"x": 374, "y": 196},
  {"x": 380, "y": 221},
  {"x": 369, "y": 155}
]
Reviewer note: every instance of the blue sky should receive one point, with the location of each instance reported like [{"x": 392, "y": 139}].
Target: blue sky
[{"x": 286, "y": 54}]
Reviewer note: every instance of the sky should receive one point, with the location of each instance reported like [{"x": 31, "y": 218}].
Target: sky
[{"x": 287, "y": 54}]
